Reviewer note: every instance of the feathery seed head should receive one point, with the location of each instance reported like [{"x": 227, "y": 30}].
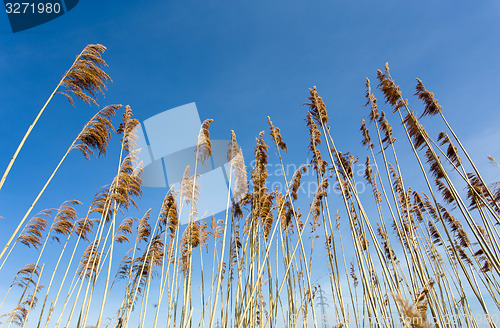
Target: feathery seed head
[
  {"x": 317, "y": 107},
  {"x": 85, "y": 79},
  {"x": 432, "y": 106}
]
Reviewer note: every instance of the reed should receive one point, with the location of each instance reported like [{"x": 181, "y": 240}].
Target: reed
[{"x": 414, "y": 250}]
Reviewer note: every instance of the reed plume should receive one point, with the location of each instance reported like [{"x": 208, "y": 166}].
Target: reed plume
[
  {"x": 84, "y": 79},
  {"x": 391, "y": 91},
  {"x": 97, "y": 132},
  {"x": 441, "y": 254},
  {"x": 414, "y": 316},
  {"x": 152, "y": 256},
  {"x": 317, "y": 107},
  {"x": 386, "y": 127},
  {"x": 296, "y": 180},
  {"x": 190, "y": 239},
  {"x": 204, "y": 145},
  {"x": 89, "y": 261},
  {"x": 128, "y": 181},
  {"x": 83, "y": 228},
  {"x": 476, "y": 191},
  {"x": 64, "y": 218},
  {"x": 169, "y": 216},
  {"x": 367, "y": 141},
  {"x": 259, "y": 172},
  {"x": 493, "y": 161},
  {"x": 127, "y": 129},
  {"x": 32, "y": 233},
  {"x": 372, "y": 101},
  {"x": 124, "y": 229},
  {"x": 238, "y": 169},
  {"x": 19, "y": 315},
  {"x": 285, "y": 214},
  {"x": 190, "y": 190},
  {"x": 27, "y": 274},
  {"x": 432, "y": 106},
  {"x": 144, "y": 228},
  {"x": 94, "y": 135},
  {"x": 368, "y": 171},
  {"x": 100, "y": 203},
  {"x": 276, "y": 134},
  {"x": 319, "y": 164},
  {"x": 416, "y": 130},
  {"x": 452, "y": 150}
]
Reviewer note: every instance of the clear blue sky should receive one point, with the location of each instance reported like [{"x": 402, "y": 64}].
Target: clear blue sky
[{"x": 239, "y": 61}]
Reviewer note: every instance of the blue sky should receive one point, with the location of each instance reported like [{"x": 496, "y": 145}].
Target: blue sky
[{"x": 240, "y": 61}]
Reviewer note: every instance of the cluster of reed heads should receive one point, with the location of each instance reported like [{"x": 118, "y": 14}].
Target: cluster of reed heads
[{"x": 416, "y": 259}]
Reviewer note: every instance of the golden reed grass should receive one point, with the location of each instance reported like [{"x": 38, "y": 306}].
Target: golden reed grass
[{"x": 396, "y": 255}]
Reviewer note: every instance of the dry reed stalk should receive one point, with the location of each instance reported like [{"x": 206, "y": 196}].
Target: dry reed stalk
[
  {"x": 62, "y": 224},
  {"x": 237, "y": 170},
  {"x": 82, "y": 228},
  {"x": 292, "y": 188},
  {"x": 432, "y": 108},
  {"x": 290, "y": 262},
  {"x": 125, "y": 184},
  {"x": 153, "y": 255},
  {"x": 317, "y": 106},
  {"x": 94, "y": 136},
  {"x": 20, "y": 312},
  {"x": 442, "y": 173},
  {"x": 393, "y": 95},
  {"x": 79, "y": 228},
  {"x": 368, "y": 93},
  {"x": 170, "y": 220},
  {"x": 375, "y": 273},
  {"x": 84, "y": 79},
  {"x": 382, "y": 123}
]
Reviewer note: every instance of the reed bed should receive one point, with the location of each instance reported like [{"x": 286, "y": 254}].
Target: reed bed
[{"x": 395, "y": 255}]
